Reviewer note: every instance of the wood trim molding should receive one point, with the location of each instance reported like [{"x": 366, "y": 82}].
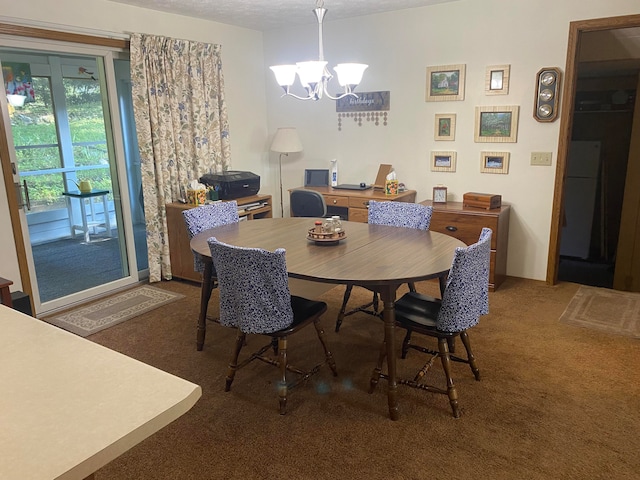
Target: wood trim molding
[
  {"x": 33, "y": 32},
  {"x": 566, "y": 125}
]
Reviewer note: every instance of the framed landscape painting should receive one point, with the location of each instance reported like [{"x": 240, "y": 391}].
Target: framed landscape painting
[
  {"x": 496, "y": 124},
  {"x": 445, "y": 83}
]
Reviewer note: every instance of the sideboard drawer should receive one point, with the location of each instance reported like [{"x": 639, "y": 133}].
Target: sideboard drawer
[
  {"x": 358, "y": 215},
  {"x": 464, "y": 227},
  {"x": 336, "y": 201},
  {"x": 466, "y": 223},
  {"x": 358, "y": 202}
]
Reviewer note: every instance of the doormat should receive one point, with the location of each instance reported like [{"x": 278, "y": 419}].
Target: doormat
[
  {"x": 111, "y": 311},
  {"x": 611, "y": 311}
]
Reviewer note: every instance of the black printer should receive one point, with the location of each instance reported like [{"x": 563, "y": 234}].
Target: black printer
[{"x": 232, "y": 184}]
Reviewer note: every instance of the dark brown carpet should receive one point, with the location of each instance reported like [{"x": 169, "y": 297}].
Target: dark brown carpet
[{"x": 555, "y": 401}]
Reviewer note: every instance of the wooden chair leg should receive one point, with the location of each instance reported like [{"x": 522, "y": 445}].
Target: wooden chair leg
[
  {"x": 451, "y": 343},
  {"x": 343, "y": 308},
  {"x": 375, "y": 302},
  {"x": 282, "y": 385},
  {"x": 405, "y": 343},
  {"x": 327, "y": 353},
  {"x": 464, "y": 336},
  {"x": 375, "y": 376},
  {"x": 452, "y": 393},
  {"x": 233, "y": 364},
  {"x": 205, "y": 296}
]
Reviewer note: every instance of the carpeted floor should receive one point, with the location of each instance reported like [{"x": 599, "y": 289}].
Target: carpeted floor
[{"x": 555, "y": 401}]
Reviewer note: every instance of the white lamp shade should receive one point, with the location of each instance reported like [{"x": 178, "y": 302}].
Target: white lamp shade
[
  {"x": 285, "y": 74},
  {"x": 286, "y": 140},
  {"x": 310, "y": 73},
  {"x": 350, "y": 73}
]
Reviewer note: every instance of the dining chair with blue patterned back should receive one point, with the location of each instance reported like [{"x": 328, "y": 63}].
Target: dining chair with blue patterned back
[
  {"x": 255, "y": 299},
  {"x": 393, "y": 214},
  {"x": 464, "y": 301},
  {"x": 198, "y": 220}
]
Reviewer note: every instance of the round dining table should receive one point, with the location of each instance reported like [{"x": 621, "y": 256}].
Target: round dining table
[{"x": 377, "y": 257}]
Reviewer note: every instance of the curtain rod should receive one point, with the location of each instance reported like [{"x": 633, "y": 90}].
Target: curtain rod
[{"x": 20, "y": 27}]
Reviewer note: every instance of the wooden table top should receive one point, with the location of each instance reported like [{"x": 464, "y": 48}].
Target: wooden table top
[
  {"x": 69, "y": 406},
  {"x": 369, "y": 255}
]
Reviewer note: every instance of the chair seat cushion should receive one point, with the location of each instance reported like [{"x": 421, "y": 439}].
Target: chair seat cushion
[
  {"x": 304, "y": 310},
  {"x": 418, "y": 309}
]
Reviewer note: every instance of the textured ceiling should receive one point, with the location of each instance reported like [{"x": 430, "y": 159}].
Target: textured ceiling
[{"x": 268, "y": 15}]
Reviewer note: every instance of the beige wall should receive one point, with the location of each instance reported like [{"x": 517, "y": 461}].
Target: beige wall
[
  {"x": 527, "y": 35},
  {"x": 398, "y": 46}
]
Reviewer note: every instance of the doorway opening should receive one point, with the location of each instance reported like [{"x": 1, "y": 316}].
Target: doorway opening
[{"x": 600, "y": 93}]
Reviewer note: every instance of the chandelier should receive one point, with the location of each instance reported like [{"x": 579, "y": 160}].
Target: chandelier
[{"x": 314, "y": 75}]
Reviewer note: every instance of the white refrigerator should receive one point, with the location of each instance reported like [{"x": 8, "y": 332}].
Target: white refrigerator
[{"x": 581, "y": 185}]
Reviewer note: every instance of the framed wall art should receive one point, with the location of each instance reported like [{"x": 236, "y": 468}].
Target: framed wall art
[
  {"x": 443, "y": 161},
  {"x": 494, "y": 162},
  {"x": 497, "y": 124},
  {"x": 445, "y": 83},
  {"x": 445, "y": 127},
  {"x": 497, "y": 80}
]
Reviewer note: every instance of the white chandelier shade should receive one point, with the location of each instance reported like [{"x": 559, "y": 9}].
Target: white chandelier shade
[{"x": 314, "y": 76}]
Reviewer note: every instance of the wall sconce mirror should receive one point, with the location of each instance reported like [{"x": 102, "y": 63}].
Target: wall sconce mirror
[{"x": 546, "y": 102}]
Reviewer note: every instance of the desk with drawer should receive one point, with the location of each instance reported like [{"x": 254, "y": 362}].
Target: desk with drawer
[
  {"x": 352, "y": 204},
  {"x": 466, "y": 223}
]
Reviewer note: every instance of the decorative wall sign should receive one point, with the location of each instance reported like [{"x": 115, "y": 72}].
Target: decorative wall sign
[
  {"x": 370, "y": 106},
  {"x": 443, "y": 161},
  {"x": 497, "y": 124},
  {"x": 494, "y": 162},
  {"x": 366, "y": 102},
  {"x": 445, "y": 127},
  {"x": 497, "y": 80},
  {"x": 445, "y": 83}
]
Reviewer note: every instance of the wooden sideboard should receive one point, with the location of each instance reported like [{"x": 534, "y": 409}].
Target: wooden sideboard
[
  {"x": 466, "y": 223},
  {"x": 179, "y": 248},
  {"x": 352, "y": 204}
]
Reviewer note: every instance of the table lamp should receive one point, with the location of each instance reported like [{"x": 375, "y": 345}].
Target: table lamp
[{"x": 285, "y": 141}]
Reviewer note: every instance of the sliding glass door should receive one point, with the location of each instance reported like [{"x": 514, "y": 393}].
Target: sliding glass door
[{"x": 72, "y": 162}]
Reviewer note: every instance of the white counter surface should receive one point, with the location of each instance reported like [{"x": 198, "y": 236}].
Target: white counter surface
[{"x": 69, "y": 406}]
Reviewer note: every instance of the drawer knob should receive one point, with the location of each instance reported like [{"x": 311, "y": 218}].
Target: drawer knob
[
  {"x": 335, "y": 201},
  {"x": 451, "y": 228}
]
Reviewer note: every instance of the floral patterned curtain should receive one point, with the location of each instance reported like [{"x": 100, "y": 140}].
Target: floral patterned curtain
[{"x": 182, "y": 127}]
